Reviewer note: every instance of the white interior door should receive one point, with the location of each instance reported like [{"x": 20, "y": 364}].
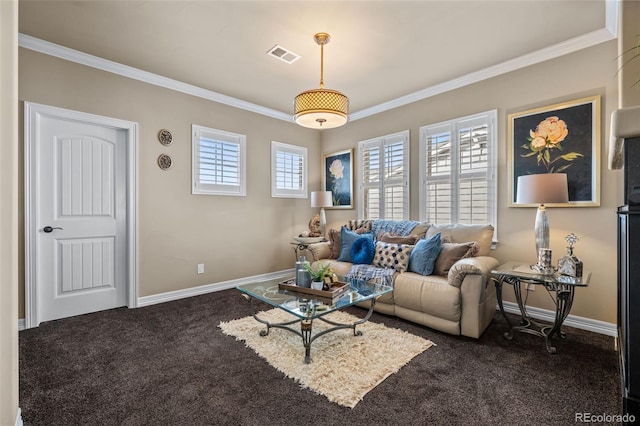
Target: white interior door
[{"x": 80, "y": 214}]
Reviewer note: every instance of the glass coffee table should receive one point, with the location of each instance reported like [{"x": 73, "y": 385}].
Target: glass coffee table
[{"x": 306, "y": 308}]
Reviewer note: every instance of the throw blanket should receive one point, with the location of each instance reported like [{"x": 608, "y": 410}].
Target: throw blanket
[
  {"x": 368, "y": 272},
  {"x": 394, "y": 227}
]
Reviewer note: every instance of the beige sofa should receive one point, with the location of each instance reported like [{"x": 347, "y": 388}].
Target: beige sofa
[{"x": 462, "y": 303}]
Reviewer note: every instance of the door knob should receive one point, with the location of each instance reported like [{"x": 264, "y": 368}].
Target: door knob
[{"x": 48, "y": 229}]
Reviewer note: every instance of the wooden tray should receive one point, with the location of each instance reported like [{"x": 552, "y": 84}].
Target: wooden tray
[{"x": 337, "y": 289}]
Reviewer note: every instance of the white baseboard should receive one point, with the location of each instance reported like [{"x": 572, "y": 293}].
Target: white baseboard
[
  {"x": 582, "y": 323},
  {"x": 210, "y": 288},
  {"x": 19, "y": 418}
]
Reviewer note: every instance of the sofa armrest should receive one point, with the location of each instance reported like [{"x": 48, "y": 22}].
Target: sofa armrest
[
  {"x": 320, "y": 250},
  {"x": 481, "y": 265},
  {"x": 478, "y": 294}
]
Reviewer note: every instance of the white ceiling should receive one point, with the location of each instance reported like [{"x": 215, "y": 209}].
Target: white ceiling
[{"x": 379, "y": 51}]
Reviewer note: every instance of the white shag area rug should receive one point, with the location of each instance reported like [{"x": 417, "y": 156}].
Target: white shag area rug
[{"x": 343, "y": 367}]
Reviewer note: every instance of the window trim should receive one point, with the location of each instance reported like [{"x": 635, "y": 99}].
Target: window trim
[
  {"x": 294, "y": 149},
  {"x": 491, "y": 119},
  {"x": 239, "y": 190},
  {"x": 403, "y": 135}
]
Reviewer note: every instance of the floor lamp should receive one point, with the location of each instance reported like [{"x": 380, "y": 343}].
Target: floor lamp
[
  {"x": 322, "y": 199},
  {"x": 542, "y": 189}
]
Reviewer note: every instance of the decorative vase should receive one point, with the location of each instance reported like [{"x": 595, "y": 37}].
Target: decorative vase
[
  {"x": 303, "y": 279},
  {"x": 570, "y": 264}
]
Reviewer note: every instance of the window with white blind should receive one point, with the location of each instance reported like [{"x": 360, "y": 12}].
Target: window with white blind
[
  {"x": 219, "y": 160},
  {"x": 288, "y": 170},
  {"x": 383, "y": 177},
  {"x": 458, "y": 170}
]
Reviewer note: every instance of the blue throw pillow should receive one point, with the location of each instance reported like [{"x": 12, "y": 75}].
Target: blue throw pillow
[
  {"x": 347, "y": 238},
  {"x": 423, "y": 257},
  {"x": 362, "y": 251}
]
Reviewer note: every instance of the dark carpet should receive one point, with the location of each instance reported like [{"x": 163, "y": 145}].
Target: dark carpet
[{"x": 169, "y": 364}]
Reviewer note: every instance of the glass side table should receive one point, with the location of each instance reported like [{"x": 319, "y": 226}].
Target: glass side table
[
  {"x": 299, "y": 247},
  {"x": 561, "y": 288}
]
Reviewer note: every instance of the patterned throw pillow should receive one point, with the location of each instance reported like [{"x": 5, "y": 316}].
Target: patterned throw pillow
[
  {"x": 390, "y": 255},
  {"x": 450, "y": 253}
]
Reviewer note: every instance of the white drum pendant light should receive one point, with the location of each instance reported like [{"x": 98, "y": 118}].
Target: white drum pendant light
[{"x": 321, "y": 108}]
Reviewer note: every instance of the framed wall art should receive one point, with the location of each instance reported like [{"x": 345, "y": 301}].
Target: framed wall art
[
  {"x": 560, "y": 138},
  {"x": 337, "y": 176}
]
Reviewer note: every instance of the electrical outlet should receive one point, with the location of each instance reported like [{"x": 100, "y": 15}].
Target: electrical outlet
[
  {"x": 201, "y": 268},
  {"x": 531, "y": 287}
]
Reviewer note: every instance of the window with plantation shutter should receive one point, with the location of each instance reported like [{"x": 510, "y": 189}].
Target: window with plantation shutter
[
  {"x": 288, "y": 170},
  {"x": 458, "y": 170},
  {"x": 383, "y": 177},
  {"x": 219, "y": 160}
]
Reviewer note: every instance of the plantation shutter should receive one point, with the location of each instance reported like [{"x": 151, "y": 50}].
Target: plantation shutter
[
  {"x": 384, "y": 177},
  {"x": 458, "y": 170},
  {"x": 289, "y": 170},
  {"x": 218, "y": 162},
  {"x": 473, "y": 195}
]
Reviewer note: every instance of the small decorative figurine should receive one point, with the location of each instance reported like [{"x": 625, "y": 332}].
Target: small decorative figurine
[{"x": 569, "y": 264}]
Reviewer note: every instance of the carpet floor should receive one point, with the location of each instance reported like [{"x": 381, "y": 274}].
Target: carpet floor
[
  {"x": 170, "y": 364},
  {"x": 343, "y": 367}
]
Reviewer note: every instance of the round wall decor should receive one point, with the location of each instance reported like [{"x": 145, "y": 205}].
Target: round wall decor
[
  {"x": 165, "y": 161},
  {"x": 165, "y": 137}
]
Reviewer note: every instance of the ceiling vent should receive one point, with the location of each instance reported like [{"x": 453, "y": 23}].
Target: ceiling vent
[{"x": 283, "y": 54}]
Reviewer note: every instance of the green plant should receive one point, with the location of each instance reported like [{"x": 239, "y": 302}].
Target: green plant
[{"x": 321, "y": 270}]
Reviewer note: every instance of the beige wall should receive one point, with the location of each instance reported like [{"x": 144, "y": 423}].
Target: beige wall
[
  {"x": 178, "y": 230},
  {"x": 9, "y": 212},
  {"x": 629, "y": 75},
  {"x": 588, "y": 72}
]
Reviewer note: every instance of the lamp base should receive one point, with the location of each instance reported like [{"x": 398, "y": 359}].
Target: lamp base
[
  {"x": 541, "y": 229},
  {"x": 323, "y": 223}
]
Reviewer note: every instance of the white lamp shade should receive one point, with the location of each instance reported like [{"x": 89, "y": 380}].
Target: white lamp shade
[
  {"x": 544, "y": 188},
  {"x": 321, "y": 199}
]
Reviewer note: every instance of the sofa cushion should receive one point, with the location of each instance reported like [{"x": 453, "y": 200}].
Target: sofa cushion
[
  {"x": 420, "y": 230},
  {"x": 347, "y": 238},
  {"x": 387, "y": 237},
  {"x": 459, "y": 233},
  {"x": 389, "y": 255},
  {"x": 423, "y": 256},
  {"x": 362, "y": 251},
  {"x": 430, "y": 294},
  {"x": 450, "y": 253}
]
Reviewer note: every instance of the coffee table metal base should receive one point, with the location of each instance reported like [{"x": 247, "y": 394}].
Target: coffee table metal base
[{"x": 306, "y": 327}]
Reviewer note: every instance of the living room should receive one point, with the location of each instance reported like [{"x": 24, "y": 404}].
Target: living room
[{"x": 177, "y": 230}]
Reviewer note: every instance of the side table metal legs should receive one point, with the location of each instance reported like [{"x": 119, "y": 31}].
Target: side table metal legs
[{"x": 562, "y": 297}]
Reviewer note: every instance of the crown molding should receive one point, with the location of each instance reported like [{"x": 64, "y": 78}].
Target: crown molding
[
  {"x": 551, "y": 52},
  {"x": 609, "y": 32},
  {"x": 72, "y": 55}
]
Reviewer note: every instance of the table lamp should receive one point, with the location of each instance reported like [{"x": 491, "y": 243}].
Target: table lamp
[
  {"x": 540, "y": 189},
  {"x": 322, "y": 199}
]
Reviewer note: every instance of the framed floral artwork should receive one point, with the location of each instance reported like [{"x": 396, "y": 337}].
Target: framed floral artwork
[
  {"x": 337, "y": 174},
  {"x": 560, "y": 138}
]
